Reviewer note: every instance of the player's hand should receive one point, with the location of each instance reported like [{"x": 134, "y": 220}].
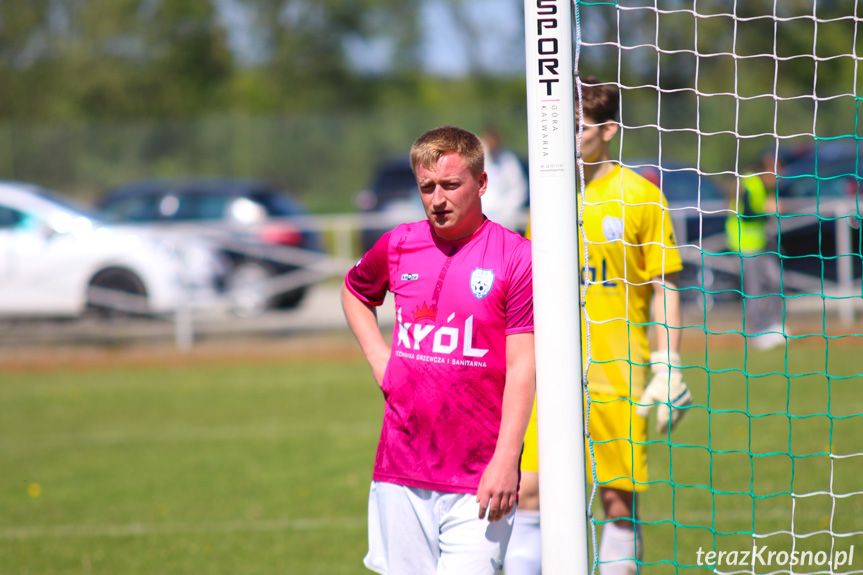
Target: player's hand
[
  {"x": 666, "y": 390},
  {"x": 379, "y": 365},
  {"x": 378, "y": 357},
  {"x": 498, "y": 488}
]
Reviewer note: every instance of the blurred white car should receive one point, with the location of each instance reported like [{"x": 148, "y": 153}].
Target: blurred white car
[{"x": 59, "y": 259}]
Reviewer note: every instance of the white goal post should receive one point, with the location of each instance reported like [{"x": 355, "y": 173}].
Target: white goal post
[{"x": 554, "y": 235}]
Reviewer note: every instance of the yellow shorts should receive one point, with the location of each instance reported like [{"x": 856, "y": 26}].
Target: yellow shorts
[{"x": 619, "y": 443}]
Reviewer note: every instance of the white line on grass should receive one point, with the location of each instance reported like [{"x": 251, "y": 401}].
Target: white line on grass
[{"x": 138, "y": 529}]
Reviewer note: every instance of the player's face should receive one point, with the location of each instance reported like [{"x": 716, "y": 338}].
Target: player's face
[{"x": 451, "y": 196}]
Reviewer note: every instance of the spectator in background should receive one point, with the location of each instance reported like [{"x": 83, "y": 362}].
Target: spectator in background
[
  {"x": 506, "y": 196},
  {"x": 747, "y": 234}
]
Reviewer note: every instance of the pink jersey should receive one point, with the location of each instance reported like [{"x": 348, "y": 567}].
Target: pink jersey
[{"x": 455, "y": 304}]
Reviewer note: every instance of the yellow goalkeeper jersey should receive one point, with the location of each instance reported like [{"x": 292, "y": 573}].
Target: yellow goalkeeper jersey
[{"x": 630, "y": 239}]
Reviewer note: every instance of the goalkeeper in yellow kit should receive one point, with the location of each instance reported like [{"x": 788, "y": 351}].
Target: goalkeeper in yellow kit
[{"x": 632, "y": 267}]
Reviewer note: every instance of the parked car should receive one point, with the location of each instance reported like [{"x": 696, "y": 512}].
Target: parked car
[
  {"x": 391, "y": 199},
  {"x": 249, "y": 219},
  {"x": 698, "y": 209},
  {"x": 818, "y": 189},
  {"x": 815, "y": 190},
  {"x": 61, "y": 260},
  {"x": 695, "y": 198},
  {"x": 832, "y": 169}
]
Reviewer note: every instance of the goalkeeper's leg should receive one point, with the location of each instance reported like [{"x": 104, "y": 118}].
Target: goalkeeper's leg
[
  {"x": 621, "y": 540},
  {"x": 619, "y": 450}
]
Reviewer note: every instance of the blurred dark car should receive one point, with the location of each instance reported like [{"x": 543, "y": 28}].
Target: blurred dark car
[
  {"x": 391, "y": 199},
  {"x": 245, "y": 217},
  {"x": 817, "y": 192},
  {"x": 694, "y": 198},
  {"x": 819, "y": 188},
  {"x": 832, "y": 169},
  {"x": 698, "y": 210}
]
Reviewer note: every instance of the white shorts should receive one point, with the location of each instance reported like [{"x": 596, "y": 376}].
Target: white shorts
[{"x": 416, "y": 531}]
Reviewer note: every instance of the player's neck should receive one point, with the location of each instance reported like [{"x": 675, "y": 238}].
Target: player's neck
[
  {"x": 462, "y": 233},
  {"x": 597, "y": 170}
]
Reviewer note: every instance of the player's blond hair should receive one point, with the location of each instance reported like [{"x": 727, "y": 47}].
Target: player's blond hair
[{"x": 429, "y": 148}]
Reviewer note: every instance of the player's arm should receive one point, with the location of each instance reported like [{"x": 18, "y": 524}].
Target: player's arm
[
  {"x": 363, "y": 321},
  {"x": 666, "y": 312},
  {"x": 498, "y": 487},
  {"x": 666, "y": 388}
]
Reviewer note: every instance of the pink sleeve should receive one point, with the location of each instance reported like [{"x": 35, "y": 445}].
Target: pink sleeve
[
  {"x": 369, "y": 279},
  {"x": 519, "y": 297}
]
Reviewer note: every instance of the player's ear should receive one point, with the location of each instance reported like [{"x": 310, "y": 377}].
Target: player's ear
[
  {"x": 609, "y": 129},
  {"x": 483, "y": 183}
]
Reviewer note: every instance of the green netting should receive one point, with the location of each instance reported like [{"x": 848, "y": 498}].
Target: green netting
[{"x": 765, "y": 473}]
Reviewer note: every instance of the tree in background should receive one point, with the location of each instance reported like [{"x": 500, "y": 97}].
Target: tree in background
[
  {"x": 79, "y": 59},
  {"x": 98, "y": 91},
  {"x": 83, "y": 59}
]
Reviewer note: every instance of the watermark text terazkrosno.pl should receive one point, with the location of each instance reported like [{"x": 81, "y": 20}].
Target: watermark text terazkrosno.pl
[{"x": 763, "y": 555}]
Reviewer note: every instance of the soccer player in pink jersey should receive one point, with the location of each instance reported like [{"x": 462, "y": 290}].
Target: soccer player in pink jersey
[{"x": 458, "y": 377}]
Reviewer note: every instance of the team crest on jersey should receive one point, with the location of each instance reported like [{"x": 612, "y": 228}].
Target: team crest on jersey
[
  {"x": 480, "y": 282},
  {"x": 612, "y": 227}
]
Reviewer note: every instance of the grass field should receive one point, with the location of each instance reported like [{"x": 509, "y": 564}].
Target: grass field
[
  {"x": 754, "y": 456},
  {"x": 262, "y": 466}
]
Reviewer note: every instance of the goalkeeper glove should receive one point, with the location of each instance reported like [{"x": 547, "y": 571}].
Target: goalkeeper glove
[{"x": 666, "y": 390}]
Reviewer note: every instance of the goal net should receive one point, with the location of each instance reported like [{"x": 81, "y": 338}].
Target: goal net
[{"x": 764, "y": 473}]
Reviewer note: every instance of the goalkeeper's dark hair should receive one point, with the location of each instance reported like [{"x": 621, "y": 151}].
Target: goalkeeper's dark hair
[{"x": 601, "y": 101}]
